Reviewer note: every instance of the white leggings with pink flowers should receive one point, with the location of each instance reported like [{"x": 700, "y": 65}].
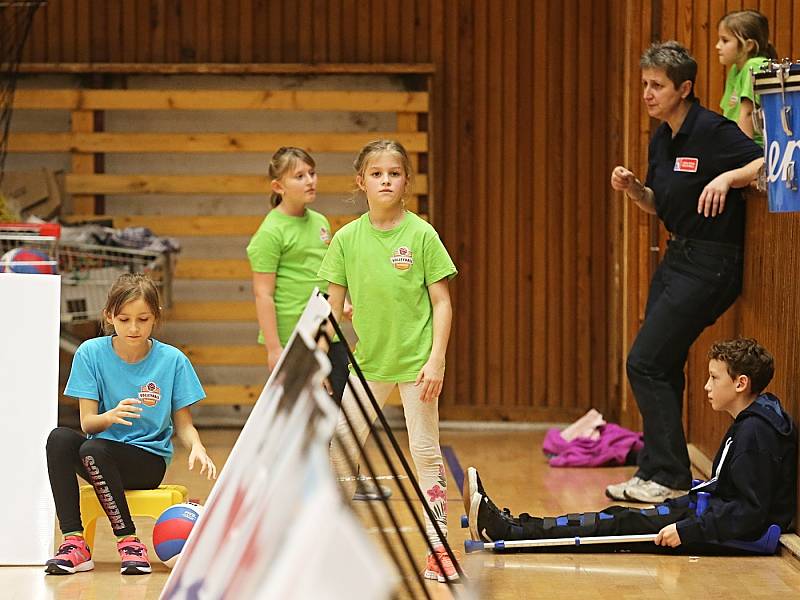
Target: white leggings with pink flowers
[{"x": 422, "y": 422}]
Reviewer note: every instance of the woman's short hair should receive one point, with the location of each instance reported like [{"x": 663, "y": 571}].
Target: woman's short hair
[{"x": 674, "y": 60}]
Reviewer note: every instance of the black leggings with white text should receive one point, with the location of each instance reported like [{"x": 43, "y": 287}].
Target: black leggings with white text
[{"x": 111, "y": 467}]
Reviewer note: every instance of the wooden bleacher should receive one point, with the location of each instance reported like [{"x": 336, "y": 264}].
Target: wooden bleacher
[{"x": 86, "y": 185}]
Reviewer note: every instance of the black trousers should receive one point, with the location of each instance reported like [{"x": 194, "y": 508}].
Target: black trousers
[
  {"x": 337, "y": 354},
  {"x": 693, "y": 285},
  {"x": 614, "y": 520},
  {"x": 111, "y": 467}
]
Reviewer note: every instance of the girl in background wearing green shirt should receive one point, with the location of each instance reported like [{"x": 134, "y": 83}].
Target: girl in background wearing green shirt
[
  {"x": 285, "y": 255},
  {"x": 396, "y": 270},
  {"x": 743, "y": 45}
]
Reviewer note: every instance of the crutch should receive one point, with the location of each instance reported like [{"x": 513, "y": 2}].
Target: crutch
[{"x": 477, "y": 546}]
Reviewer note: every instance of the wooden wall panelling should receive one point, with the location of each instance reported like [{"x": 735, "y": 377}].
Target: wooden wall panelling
[
  {"x": 496, "y": 370},
  {"x": 230, "y": 31},
  {"x": 83, "y": 30},
  {"x": 567, "y": 234},
  {"x": 82, "y": 121},
  {"x": 538, "y": 130},
  {"x": 579, "y": 394},
  {"x": 553, "y": 223},
  {"x": 322, "y": 100},
  {"x": 524, "y": 74},
  {"x": 246, "y": 31},
  {"x": 82, "y": 141},
  {"x": 114, "y": 31},
  {"x": 216, "y": 31},
  {"x": 521, "y": 200},
  {"x": 37, "y": 39},
  {"x": 201, "y": 16},
  {"x": 54, "y": 32},
  {"x": 594, "y": 265},
  {"x": 474, "y": 325},
  {"x": 68, "y": 39}
]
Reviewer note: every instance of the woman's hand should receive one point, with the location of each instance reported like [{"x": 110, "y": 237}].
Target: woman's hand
[
  {"x": 126, "y": 409},
  {"x": 198, "y": 453},
  {"x": 622, "y": 179},
  {"x": 712, "y": 199},
  {"x": 431, "y": 377}
]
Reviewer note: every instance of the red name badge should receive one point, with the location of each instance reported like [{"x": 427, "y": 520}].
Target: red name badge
[{"x": 686, "y": 164}]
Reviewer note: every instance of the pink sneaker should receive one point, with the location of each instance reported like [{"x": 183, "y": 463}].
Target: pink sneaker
[
  {"x": 133, "y": 554},
  {"x": 73, "y": 556},
  {"x": 432, "y": 570}
]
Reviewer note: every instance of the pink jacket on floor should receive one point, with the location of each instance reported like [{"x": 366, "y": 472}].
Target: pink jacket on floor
[{"x": 610, "y": 449}]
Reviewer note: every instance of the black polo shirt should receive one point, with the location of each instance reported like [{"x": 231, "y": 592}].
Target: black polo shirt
[{"x": 706, "y": 145}]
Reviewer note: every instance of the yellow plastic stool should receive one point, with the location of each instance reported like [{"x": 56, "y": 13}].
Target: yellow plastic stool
[{"x": 141, "y": 503}]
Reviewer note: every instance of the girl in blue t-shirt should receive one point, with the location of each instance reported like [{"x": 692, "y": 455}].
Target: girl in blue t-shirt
[
  {"x": 134, "y": 392},
  {"x": 743, "y": 45}
]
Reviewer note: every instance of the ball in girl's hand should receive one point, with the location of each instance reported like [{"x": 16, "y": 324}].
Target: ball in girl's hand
[{"x": 172, "y": 529}]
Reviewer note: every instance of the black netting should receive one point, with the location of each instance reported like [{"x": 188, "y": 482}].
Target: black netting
[{"x": 15, "y": 23}]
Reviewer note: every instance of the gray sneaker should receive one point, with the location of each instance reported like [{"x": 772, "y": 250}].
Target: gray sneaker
[
  {"x": 652, "y": 492},
  {"x": 369, "y": 491},
  {"x": 616, "y": 491}
]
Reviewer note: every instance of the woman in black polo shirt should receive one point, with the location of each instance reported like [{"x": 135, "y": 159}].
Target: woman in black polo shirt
[{"x": 698, "y": 162}]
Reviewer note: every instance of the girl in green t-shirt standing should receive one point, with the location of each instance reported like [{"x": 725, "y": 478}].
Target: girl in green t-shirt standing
[
  {"x": 396, "y": 270},
  {"x": 285, "y": 255},
  {"x": 743, "y": 45}
]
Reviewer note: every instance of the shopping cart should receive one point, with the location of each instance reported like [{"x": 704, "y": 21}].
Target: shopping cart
[
  {"x": 29, "y": 248},
  {"x": 87, "y": 270}
]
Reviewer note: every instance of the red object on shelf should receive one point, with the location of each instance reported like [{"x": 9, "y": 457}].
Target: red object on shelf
[{"x": 44, "y": 229}]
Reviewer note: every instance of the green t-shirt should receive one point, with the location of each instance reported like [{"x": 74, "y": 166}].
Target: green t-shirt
[
  {"x": 387, "y": 274},
  {"x": 739, "y": 85},
  {"x": 292, "y": 248}
]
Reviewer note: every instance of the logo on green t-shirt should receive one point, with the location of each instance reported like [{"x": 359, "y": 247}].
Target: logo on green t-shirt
[
  {"x": 325, "y": 235},
  {"x": 402, "y": 258}
]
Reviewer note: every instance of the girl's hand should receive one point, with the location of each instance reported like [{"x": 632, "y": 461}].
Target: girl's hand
[
  {"x": 126, "y": 409},
  {"x": 431, "y": 377},
  {"x": 272, "y": 357},
  {"x": 712, "y": 199},
  {"x": 347, "y": 311},
  {"x": 207, "y": 466}
]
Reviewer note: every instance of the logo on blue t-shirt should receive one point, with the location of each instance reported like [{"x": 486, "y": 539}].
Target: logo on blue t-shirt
[{"x": 150, "y": 394}]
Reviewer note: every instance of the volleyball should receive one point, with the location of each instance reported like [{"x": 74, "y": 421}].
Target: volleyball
[
  {"x": 26, "y": 260},
  {"x": 172, "y": 529}
]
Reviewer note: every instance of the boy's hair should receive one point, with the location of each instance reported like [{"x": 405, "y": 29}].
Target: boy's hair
[
  {"x": 674, "y": 60},
  {"x": 750, "y": 25},
  {"x": 128, "y": 287},
  {"x": 377, "y": 147},
  {"x": 745, "y": 356},
  {"x": 284, "y": 159}
]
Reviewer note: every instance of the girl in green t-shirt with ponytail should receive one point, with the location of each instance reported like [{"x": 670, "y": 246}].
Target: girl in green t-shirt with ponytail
[
  {"x": 396, "y": 271},
  {"x": 285, "y": 255},
  {"x": 743, "y": 45}
]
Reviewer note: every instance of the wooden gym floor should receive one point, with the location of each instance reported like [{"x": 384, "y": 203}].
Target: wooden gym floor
[{"x": 516, "y": 475}]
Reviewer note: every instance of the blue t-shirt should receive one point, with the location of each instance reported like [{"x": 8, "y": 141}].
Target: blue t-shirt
[{"x": 164, "y": 381}]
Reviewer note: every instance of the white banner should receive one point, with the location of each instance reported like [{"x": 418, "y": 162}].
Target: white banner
[
  {"x": 275, "y": 517},
  {"x": 29, "y": 331}
]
